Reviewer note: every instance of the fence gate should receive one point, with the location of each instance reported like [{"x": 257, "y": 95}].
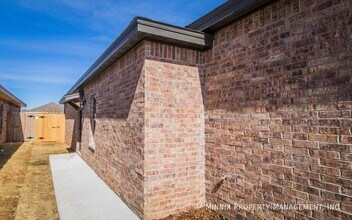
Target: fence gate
[
  {"x": 27, "y": 126},
  {"x": 49, "y": 127}
]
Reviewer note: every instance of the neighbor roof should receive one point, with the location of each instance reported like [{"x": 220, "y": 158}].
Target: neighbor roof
[
  {"x": 48, "y": 108},
  {"x": 196, "y": 35},
  {"x": 8, "y": 96}
]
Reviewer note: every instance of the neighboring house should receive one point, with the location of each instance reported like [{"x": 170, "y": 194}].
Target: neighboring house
[
  {"x": 10, "y": 107},
  {"x": 251, "y": 103},
  {"x": 51, "y": 107}
]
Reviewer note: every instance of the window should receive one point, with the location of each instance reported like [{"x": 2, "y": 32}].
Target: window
[
  {"x": 1, "y": 116},
  {"x": 93, "y": 115}
]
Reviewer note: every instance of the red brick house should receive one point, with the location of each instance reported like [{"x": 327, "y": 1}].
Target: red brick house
[
  {"x": 250, "y": 103},
  {"x": 10, "y": 106}
]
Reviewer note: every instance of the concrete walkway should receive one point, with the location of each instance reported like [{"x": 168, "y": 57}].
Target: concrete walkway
[{"x": 81, "y": 194}]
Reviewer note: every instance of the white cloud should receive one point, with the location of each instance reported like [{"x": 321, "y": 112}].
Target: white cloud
[
  {"x": 112, "y": 16},
  {"x": 81, "y": 48},
  {"x": 29, "y": 78},
  {"x": 27, "y": 71}
]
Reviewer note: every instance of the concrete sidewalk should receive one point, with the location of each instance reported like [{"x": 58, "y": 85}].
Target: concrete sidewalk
[{"x": 81, "y": 194}]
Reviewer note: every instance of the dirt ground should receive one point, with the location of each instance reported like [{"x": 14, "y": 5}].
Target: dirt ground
[
  {"x": 198, "y": 214},
  {"x": 26, "y": 188}
]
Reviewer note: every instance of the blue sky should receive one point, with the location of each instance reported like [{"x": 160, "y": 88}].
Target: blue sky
[{"x": 46, "y": 45}]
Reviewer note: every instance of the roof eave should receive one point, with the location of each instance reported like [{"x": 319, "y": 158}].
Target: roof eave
[
  {"x": 8, "y": 96},
  {"x": 71, "y": 97},
  {"x": 138, "y": 30}
]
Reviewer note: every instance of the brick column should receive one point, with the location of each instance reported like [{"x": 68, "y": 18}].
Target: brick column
[{"x": 174, "y": 139}]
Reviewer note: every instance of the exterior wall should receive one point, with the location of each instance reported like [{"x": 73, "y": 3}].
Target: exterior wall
[
  {"x": 6, "y": 109},
  {"x": 278, "y": 110},
  {"x": 174, "y": 131},
  {"x": 71, "y": 126},
  {"x": 119, "y": 134},
  {"x": 149, "y": 136},
  {"x": 4, "y": 122},
  {"x": 275, "y": 90}
]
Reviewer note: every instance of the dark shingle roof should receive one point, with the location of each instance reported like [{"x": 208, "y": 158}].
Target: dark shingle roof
[{"x": 48, "y": 108}]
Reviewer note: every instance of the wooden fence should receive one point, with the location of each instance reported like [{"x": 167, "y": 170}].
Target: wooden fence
[{"x": 37, "y": 127}]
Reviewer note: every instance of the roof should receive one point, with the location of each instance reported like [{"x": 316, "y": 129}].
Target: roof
[
  {"x": 224, "y": 14},
  {"x": 8, "y": 96},
  {"x": 48, "y": 108},
  {"x": 197, "y": 35},
  {"x": 142, "y": 28}
]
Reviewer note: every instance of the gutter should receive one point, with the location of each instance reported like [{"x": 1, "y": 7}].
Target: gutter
[
  {"x": 71, "y": 97},
  {"x": 197, "y": 35},
  {"x": 138, "y": 30},
  {"x": 7, "y": 95}
]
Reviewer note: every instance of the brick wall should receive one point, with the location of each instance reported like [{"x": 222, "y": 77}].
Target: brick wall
[
  {"x": 3, "y": 122},
  {"x": 119, "y": 133},
  {"x": 6, "y": 109},
  {"x": 149, "y": 136},
  {"x": 276, "y": 94},
  {"x": 174, "y": 131},
  {"x": 71, "y": 126},
  {"x": 278, "y": 110}
]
